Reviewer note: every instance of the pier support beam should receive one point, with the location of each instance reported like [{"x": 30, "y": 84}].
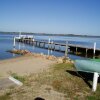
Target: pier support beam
[
  {"x": 14, "y": 44},
  {"x": 44, "y": 45},
  {"x": 76, "y": 50},
  {"x": 49, "y": 40},
  {"x": 54, "y": 47},
  {"x": 49, "y": 43},
  {"x": 39, "y": 44},
  {"x": 36, "y": 43},
  {"x": 95, "y": 81},
  {"x": 66, "y": 49},
  {"x": 86, "y": 52},
  {"x": 59, "y": 47},
  {"x": 94, "y": 49}
]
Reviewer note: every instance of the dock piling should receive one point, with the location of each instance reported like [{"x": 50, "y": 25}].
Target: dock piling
[
  {"x": 49, "y": 40},
  {"x": 76, "y": 50},
  {"x": 66, "y": 49},
  {"x": 94, "y": 48},
  {"x": 14, "y": 44},
  {"x": 86, "y": 52}
]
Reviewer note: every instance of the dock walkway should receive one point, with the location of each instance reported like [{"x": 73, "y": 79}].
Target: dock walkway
[{"x": 72, "y": 48}]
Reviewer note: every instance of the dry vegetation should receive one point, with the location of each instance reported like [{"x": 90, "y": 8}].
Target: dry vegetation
[{"x": 60, "y": 82}]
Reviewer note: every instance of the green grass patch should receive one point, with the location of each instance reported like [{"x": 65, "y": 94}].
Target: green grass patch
[{"x": 20, "y": 78}]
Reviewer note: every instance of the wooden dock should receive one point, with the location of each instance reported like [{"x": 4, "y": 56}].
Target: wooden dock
[{"x": 71, "y": 48}]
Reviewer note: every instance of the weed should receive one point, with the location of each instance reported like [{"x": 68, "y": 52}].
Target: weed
[
  {"x": 6, "y": 96},
  {"x": 20, "y": 78}
]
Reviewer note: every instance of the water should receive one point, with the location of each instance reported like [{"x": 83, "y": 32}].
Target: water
[{"x": 6, "y": 43}]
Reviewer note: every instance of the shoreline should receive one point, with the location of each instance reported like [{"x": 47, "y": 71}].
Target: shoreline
[{"x": 29, "y": 63}]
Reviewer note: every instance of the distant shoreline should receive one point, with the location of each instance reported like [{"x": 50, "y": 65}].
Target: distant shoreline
[{"x": 49, "y": 34}]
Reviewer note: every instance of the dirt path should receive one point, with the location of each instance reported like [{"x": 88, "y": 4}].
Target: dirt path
[{"x": 24, "y": 65}]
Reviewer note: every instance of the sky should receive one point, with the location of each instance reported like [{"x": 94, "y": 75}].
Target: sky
[{"x": 51, "y": 16}]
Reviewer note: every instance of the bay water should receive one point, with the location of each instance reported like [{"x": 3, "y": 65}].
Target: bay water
[{"x": 6, "y": 43}]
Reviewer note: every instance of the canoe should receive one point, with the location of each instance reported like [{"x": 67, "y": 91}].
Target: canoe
[
  {"x": 98, "y": 60},
  {"x": 90, "y": 66}
]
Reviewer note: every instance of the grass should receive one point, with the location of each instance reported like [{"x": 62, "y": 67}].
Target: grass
[
  {"x": 95, "y": 95},
  {"x": 16, "y": 76},
  {"x": 5, "y": 97},
  {"x": 61, "y": 77}
]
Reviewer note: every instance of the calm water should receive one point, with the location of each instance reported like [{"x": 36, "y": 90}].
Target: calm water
[{"x": 6, "y": 43}]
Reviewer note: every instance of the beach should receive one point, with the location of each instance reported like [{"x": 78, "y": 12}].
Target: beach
[{"x": 24, "y": 65}]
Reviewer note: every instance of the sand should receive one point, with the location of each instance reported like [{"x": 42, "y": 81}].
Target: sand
[{"x": 24, "y": 65}]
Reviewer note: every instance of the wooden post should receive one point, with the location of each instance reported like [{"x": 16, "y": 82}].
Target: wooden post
[
  {"x": 66, "y": 49},
  {"x": 14, "y": 44},
  {"x": 35, "y": 43},
  {"x": 86, "y": 52},
  {"x": 95, "y": 81},
  {"x": 59, "y": 47},
  {"x": 49, "y": 43},
  {"x": 54, "y": 46},
  {"x": 76, "y": 50},
  {"x": 49, "y": 40},
  {"x": 39, "y": 44},
  {"x": 94, "y": 49},
  {"x": 44, "y": 45}
]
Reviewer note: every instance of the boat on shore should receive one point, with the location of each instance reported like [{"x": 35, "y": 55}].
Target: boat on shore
[{"x": 91, "y": 66}]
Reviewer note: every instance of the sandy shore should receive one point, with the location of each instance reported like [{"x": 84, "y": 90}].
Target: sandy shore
[{"x": 24, "y": 65}]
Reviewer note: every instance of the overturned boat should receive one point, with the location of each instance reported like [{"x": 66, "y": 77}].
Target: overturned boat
[{"x": 90, "y": 66}]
